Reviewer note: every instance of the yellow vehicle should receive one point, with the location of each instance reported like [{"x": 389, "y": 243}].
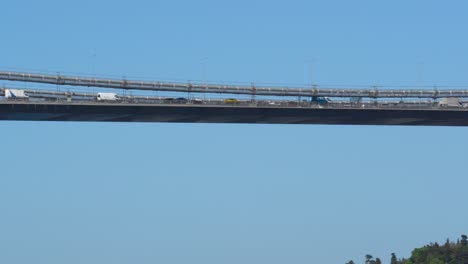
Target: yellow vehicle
[{"x": 231, "y": 101}]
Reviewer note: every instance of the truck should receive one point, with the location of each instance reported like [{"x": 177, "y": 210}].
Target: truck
[
  {"x": 107, "y": 97},
  {"x": 450, "y": 102},
  {"x": 15, "y": 94}
]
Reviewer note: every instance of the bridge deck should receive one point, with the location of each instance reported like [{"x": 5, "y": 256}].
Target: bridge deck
[{"x": 47, "y": 111}]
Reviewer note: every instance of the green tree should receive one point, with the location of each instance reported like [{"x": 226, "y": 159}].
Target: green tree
[
  {"x": 394, "y": 259},
  {"x": 447, "y": 251},
  {"x": 419, "y": 255},
  {"x": 405, "y": 261},
  {"x": 432, "y": 253},
  {"x": 447, "y": 243},
  {"x": 435, "y": 261}
]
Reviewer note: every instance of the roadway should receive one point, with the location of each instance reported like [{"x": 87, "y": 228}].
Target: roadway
[{"x": 193, "y": 113}]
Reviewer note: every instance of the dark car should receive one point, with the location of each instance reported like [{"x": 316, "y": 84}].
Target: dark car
[
  {"x": 179, "y": 100},
  {"x": 197, "y": 101}
]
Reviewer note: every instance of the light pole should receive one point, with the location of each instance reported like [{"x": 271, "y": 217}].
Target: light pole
[{"x": 203, "y": 65}]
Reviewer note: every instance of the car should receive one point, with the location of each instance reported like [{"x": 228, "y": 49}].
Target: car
[
  {"x": 320, "y": 100},
  {"x": 180, "y": 100},
  {"x": 231, "y": 101},
  {"x": 197, "y": 101}
]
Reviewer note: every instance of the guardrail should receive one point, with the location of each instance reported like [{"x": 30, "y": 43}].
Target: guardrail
[{"x": 228, "y": 89}]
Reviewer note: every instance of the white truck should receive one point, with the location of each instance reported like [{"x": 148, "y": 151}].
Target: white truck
[
  {"x": 107, "y": 97},
  {"x": 449, "y": 102},
  {"x": 15, "y": 94}
]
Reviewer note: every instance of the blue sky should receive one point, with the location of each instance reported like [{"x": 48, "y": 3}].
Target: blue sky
[{"x": 214, "y": 193}]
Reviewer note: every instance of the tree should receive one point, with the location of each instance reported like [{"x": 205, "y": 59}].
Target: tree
[
  {"x": 369, "y": 259},
  {"x": 350, "y": 262},
  {"x": 450, "y": 252},
  {"x": 447, "y": 243},
  {"x": 435, "y": 261}
]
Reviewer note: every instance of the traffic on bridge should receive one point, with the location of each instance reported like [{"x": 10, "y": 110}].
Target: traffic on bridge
[{"x": 128, "y": 100}]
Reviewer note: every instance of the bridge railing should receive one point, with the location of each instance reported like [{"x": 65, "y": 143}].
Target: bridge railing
[{"x": 229, "y": 89}]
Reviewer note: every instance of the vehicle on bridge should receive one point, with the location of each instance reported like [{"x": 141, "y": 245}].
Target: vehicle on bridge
[
  {"x": 107, "y": 97},
  {"x": 450, "y": 102},
  {"x": 197, "y": 101},
  {"x": 231, "y": 101},
  {"x": 320, "y": 100},
  {"x": 16, "y": 94},
  {"x": 179, "y": 100}
]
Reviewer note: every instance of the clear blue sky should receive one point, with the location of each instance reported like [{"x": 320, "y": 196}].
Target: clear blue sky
[{"x": 205, "y": 193}]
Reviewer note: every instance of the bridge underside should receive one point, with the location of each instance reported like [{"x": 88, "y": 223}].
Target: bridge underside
[{"x": 93, "y": 112}]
